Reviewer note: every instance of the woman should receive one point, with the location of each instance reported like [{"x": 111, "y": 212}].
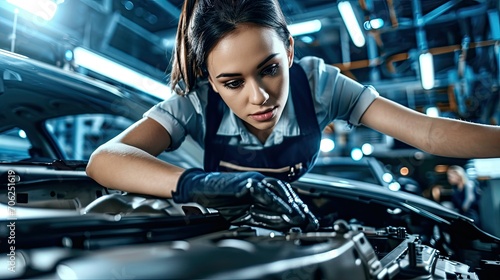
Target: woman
[
  {"x": 259, "y": 114},
  {"x": 464, "y": 196}
]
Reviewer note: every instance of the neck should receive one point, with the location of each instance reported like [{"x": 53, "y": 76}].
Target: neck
[{"x": 262, "y": 135}]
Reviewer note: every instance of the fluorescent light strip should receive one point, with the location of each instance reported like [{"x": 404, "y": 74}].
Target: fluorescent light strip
[
  {"x": 120, "y": 73},
  {"x": 351, "y": 23},
  {"x": 426, "y": 65},
  {"x": 305, "y": 27},
  {"x": 45, "y": 9}
]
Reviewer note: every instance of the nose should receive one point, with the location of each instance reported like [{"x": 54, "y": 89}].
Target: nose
[{"x": 258, "y": 95}]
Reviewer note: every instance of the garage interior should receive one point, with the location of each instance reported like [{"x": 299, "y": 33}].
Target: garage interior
[{"x": 462, "y": 38}]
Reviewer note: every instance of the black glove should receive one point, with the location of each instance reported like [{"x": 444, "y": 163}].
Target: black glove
[
  {"x": 246, "y": 198},
  {"x": 284, "y": 189}
]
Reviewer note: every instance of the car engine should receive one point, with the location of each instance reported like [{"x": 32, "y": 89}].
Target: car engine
[{"x": 69, "y": 227}]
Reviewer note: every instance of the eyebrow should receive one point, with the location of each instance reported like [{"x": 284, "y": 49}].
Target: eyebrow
[
  {"x": 258, "y": 66},
  {"x": 266, "y": 60}
]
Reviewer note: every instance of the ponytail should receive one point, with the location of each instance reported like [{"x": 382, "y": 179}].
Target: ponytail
[{"x": 183, "y": 74}]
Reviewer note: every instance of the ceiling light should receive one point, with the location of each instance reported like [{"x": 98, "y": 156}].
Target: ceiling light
[
  {"x": 22, "y": 133},
  {"x": 118, "y": 72},
  {"x": 44, "y": 9},
  {"x": 426, "y": 65},
  {"x": 305, "y": 27},
  {"x": 307, "y": 39},
  {"x": 373, "y": 24},
  {"x": 351, "y": 23}
]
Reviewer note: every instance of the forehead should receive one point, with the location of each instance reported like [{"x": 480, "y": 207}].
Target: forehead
[{"x": 248, "y": 44}]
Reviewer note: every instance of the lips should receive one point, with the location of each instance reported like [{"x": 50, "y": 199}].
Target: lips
[{"x": 264, "y": 115}]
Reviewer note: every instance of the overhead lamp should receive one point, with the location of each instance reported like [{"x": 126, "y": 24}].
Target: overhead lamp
[
  {"x": 118, "y": 72},
  {"x": 44, "y": 9},
  {"x": 373, "y": 24},
  {"x": 426, "y": 66},
  {"x": 305, "y": 27},
  {"x": 351, "y": 23},
  {"x": 307, "y": 39}
]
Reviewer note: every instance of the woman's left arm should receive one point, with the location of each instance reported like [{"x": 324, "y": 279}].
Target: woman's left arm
[{"x": 438, "y": 136}]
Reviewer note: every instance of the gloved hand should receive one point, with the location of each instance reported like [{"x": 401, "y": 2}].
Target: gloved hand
[
  {"x": 284, "y": 189},
  {"x": 246, "y": 198}
]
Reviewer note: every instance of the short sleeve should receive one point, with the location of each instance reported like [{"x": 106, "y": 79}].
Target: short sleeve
[
  {"x": 180, "y": 116},
  {"x": 335, "y": 95}
]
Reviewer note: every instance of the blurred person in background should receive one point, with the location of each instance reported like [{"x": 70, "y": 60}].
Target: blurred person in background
[
  {"x": 465, "y": 196},
  {"x": 433, "y": 193}
]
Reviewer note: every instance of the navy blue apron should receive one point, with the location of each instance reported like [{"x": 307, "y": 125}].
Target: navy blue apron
[{"x": 286, "y": 161}]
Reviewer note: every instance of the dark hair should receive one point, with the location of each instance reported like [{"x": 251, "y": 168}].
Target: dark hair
[{"x": 204, "y": 22}]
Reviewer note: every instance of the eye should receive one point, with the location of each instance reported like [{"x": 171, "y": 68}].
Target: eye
[
  {"x": 233, "y": 84},
  {"x": 271, "y": 70}
]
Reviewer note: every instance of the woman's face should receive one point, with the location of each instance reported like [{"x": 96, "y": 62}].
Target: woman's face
[
  {"x": 453, "y": 177},
  {"x": 249, "y": 69}
]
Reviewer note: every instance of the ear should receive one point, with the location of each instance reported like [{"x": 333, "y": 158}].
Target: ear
[
  {"x": 212, "y": 83},
  {"x": 291, "y": 51}
]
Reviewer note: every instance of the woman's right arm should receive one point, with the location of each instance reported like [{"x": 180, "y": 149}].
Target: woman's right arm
[{"x": 128, "y": 162}]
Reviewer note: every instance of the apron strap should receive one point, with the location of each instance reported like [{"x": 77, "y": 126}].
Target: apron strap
[
  {"x": 213, "y": 113},
  {"x": 302, "y": 100}
]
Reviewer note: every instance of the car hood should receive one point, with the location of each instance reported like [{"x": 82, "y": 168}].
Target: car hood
[
  {"x": 31, "y": 91},
  {"x": 322, "y": 185}
]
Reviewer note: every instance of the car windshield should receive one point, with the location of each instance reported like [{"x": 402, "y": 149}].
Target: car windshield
[{"x": 14, "y": 145}]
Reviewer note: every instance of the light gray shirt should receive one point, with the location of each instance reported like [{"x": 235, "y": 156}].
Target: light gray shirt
[{"x": 335, "y": 96}]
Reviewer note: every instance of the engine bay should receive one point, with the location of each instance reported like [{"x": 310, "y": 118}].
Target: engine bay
[{"x": 68, "y": 226}]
